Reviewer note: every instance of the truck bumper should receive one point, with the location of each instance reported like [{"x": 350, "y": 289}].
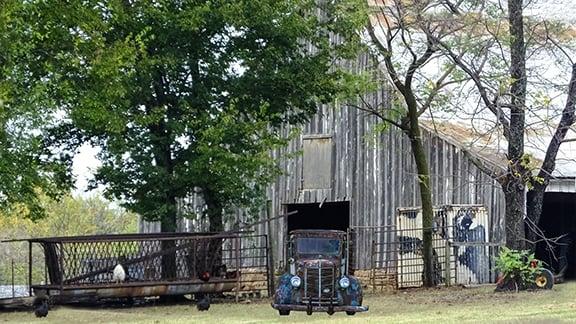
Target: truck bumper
[{"x": 320, "y": 308}]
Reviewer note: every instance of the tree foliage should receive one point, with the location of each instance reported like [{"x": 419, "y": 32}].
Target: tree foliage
[
  {"x": 69, "y": 216},
  {"x": 184, "y": 96},
  {"x": 24, "y": 168}
]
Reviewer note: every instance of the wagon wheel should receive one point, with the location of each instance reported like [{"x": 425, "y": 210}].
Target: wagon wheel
[
  {"x": 202, "y": 302},
  {"x": 544, "y": 279},
  {"x": 41, "y": 306}
]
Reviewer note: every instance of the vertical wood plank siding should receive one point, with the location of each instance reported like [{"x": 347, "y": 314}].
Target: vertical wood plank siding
[{"x": 375, "y": 172}]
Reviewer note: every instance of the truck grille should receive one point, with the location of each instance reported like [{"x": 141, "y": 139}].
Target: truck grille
[{"x": 319, "y": 284}]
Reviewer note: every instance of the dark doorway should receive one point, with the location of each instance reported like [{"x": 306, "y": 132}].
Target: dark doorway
[
  {"x": 559, "y": 220},
  {"x": 329, "y": 215}
]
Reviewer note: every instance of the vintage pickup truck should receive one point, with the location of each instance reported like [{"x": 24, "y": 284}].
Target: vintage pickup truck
[{"x": 318, "y": 277}]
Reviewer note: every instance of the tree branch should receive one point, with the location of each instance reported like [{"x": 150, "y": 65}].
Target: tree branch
[
  {"x": 377, "y": 114},
  {"x": 387, "y": 54},
  {"x": 567, "y": 120},
  {"x": 491, "y": 105},
  {"x": 438, "y": 85},
  {"x": 417, "y": 64}
]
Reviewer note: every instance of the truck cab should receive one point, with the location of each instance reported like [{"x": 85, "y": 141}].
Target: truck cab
[{"x": 318, "y": 277}]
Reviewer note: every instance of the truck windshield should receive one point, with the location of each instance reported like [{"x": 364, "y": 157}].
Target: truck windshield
[{"x": 318, "y": 245}]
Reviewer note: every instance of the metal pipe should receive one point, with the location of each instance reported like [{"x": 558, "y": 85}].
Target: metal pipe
[
  {"x": 319, "y": 282},
  {"x": 13, "y": 291},
  {"x": 238, "y": 242},
  {"x": 447, "y": 257},
  {"x": 29, "y": 268}
]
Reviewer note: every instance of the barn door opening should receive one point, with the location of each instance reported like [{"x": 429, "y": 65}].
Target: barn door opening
[
  {"x": 329, "y": 215},
  {"x": 559, "y": 220}
]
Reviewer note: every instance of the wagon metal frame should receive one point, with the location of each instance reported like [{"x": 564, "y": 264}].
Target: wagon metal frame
[{"x": 79, "y": 268}]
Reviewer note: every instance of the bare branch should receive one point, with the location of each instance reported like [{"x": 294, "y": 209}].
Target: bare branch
[
  {"x": 438, "y": 85},
  {"x": 490, "y": 104},
  {"x": 416, "y": 64},
  {"x": 567, "y": 120},
  {"x": 555, "y": 43},
  {"x": 377, "y": 114},
  {"x": 386, "y": 52},
  {"x": 453, "y": 7}
]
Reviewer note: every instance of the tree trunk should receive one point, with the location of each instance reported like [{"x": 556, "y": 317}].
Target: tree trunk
[
  {"x": 214, "y": 211},
  {"x": 215, "y": 217},
  {"x": 514, "y": 197},
  {"x": 534, "y": 205},
  {"x": 168, "y": 222},
  {"x": 514, "y": 186},
  {"x": 419, "y": 155},
  {"x": 536, "y": 198},
  {"x": 410, "y": 126}
]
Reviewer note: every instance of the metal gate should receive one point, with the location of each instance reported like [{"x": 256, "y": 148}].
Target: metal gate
[{"x": 461, "y": 254}]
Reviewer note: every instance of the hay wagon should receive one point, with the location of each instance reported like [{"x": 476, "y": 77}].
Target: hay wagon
[{"x": 81, "y": 268}]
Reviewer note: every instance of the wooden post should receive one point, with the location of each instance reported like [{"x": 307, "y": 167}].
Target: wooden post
[
  {"x": 269, "y": 268},
  {"x": 61, "y": 262}
]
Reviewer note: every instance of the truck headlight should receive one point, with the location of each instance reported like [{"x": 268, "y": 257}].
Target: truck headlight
[
  {"x": 295, "y": 281},
  {"x": 344, "y": 282}
]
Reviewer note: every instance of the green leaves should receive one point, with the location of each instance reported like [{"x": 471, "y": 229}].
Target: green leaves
[
  {"x": 65, "y": 217},
  {"x": 26, "y": 168},
  {"x": 182, "y": 96}
]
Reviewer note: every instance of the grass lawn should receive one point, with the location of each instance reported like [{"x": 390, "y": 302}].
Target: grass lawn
[{"x": 432, "y": 305}]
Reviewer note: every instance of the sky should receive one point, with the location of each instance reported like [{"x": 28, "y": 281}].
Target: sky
[{"x": 84, "y": 165}]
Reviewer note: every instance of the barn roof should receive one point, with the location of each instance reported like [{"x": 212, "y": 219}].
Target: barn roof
[{"x": 490, "y": 146}]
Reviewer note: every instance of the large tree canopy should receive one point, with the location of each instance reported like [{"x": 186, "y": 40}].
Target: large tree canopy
[
  {"x": 25, "y": 171},
  {"x": 183, "y": 96}
]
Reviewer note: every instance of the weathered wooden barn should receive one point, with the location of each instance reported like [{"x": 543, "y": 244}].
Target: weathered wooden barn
[
  {"x": 348, "y": 173},
  {"x": 351, "y": 174}
]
